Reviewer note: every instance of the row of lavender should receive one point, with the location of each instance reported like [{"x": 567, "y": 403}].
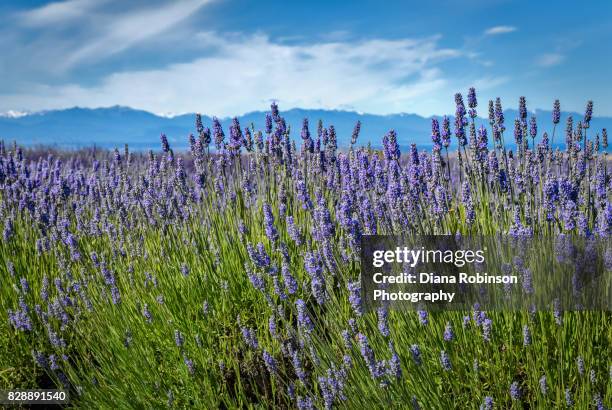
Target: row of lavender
[{"x": 150, "y": 248}]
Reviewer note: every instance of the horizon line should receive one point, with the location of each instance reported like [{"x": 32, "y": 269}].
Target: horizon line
[{"x": 16, "y": 114}]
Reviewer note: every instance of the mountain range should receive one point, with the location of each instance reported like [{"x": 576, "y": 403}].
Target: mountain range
[{"x": 114, "y": 126}]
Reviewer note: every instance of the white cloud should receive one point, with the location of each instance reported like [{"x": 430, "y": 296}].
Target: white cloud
[
  {"x": 74, "y": 33},
  {"x": 13, "y": 114},
  {"x": 487, "y": 83},
  {"x": 58, "y": 12},
  {"x": 126, "y": 30},
  {"x": 245, "y": 73},
  {"x": 550, "y": 59},
  {"x": 499, "y": 30}
]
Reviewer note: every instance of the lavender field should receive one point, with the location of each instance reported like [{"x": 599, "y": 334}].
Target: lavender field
[{"x": 228, "y": 276}]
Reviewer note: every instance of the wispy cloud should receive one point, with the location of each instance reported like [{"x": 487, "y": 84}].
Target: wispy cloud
[
  {"x": 493, "y": 31},
  {"x": 244, "y": 73},
  {"x": 487, "y": 83},
  {"x": 58, "y": 12},
  {"x": 131, "y": 28},
  {"x": 550, "y": 59},
  {"x": 72, "y": 33}
]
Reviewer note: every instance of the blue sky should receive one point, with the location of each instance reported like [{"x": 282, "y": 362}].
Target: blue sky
[{"x": 224, "y": 57}]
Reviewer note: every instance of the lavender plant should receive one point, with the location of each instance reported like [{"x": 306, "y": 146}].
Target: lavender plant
[{"x": 227, "y": 276}]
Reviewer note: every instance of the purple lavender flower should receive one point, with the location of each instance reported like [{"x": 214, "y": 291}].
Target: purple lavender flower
[
  {"x": 482, "y": 145},
  {"x": 569, "y": 134},
  {"x": 300, "y": 372},
  {"x": 115, "y": 295},
  {"x": 435, "y": 133},
  {"x": 249, "y": 336},
  {"x": 551, "y": 196},
  {"x": 303, "y": 317},
  {"x": 271, "y": 231},
  {"x": 198, "y": 123},
  {"x": 44, "y": 289},
  {"x": 236, "y": 137},
  {"x": 460, "y": 120},
  {"x": 598, "y": 401},
  {"x": 353, "y": 325},
  {"x": 332, "y": 145},
  {"x": 39, "y": 358},
  {"x": 391, "y": 147},
  {"x": 325, "y": 227},
  {"x": 54, "y": 338},
  {"x": 423, "y": 317},
  {"x": 269, "y": 362},
  {"x": 604, "y": 226},
  {"x": 488, "y": 403},
  {"x": 518, "y": 133},
  {"x": 305, "y": 131},
  {"x": 328, "y": 397},
  {"x": 383, "y": 325},
  {"x": 470, "y": 214},
  {"x": 268, "y": 127},
  {"x": 515, "y": 391},
  {"x": 441, "y": 201},
  {"x": 305, "y": 403},
  {"x": 20, "y": 318},
  {"x": 526, "y": 336},
  {"x": 185, "y": 270},
  {"x": 499, "y": 115},
  {"x": 486, "y": 329},
  {"x": 258, "y": 256},
  {"x": 10, "y": 267},
  {"x": 527, "y": 281},
  {"x": 543, "y": 385},
  {"x": 178, "y": 338},
  {"x": 368, "y": 356},
  {"x": 533, "y": 127},
  {"x": 588, "y": 114},
  {"x": 218, "y": 133},
  {"x": 491, "y": 113},
  {"x": 568, "y": 398},
  {"x": 294, "y": 231},
  {"x": 189, "y": 363},
  {"x": 147, "y": 314},
  {"x": 395, "y": 367},
  {"x": 314, "y": 268},
  {"x": 416, "y": 354},
  {"x": 472, "y": 102},
  {"x": 522, "y": 109},
  {"x": 25, "y": 288},
  {"x": 445, "y": 133},
  {"x": 164, "y": 143},
  {"x": 448, "y": 332},
  {"x": 445, "y": 361},
  {"x": 291, "y": 391},
  {"x": 8, "y": 231},
  {"x": 347, "y": 362},
  {"x": 346, "y": 337},
  {"x": 556, "y": 112},
  {"x": 354, "y": 289},
  {"x": 580, "y": 365},
  {"x": 256, "y": 279},
  {"x": 355, "y": 134},
  {"x": 290, "y": 283},
  {"x": 272, "y": 326},
  {"x": 53, "y": 365}
]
